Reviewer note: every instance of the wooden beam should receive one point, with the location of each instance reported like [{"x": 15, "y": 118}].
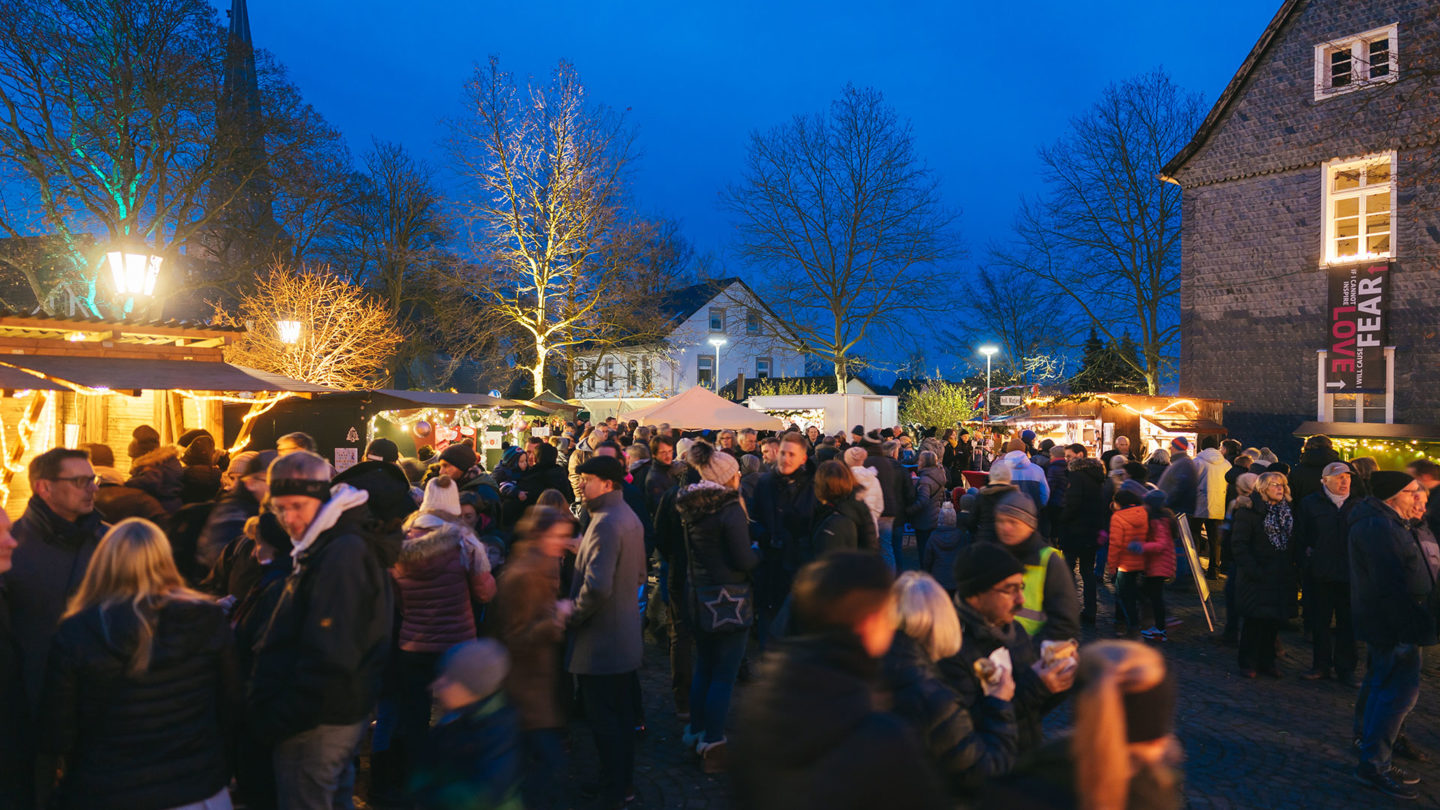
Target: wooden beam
[{"x": 117, "y": 329}]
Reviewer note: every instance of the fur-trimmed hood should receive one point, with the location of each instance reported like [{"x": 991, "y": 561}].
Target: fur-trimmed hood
[
  {"x": 1093, "y": 467},
  {"x": 157, "y": 457},
  {"x": 434, "y": 543},
  {"x": 698, "y": 501}
]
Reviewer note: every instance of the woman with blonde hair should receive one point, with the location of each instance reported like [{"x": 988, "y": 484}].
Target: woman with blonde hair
[
  {"x": 1123, "y": 754},
  {"x": 967, "y": 744},
  {"x": 1265, "y": 577},
  {"x": 141, "y": 684}
]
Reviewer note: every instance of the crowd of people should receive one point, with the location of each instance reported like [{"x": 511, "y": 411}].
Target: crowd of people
[{"x": 209, "y": 631}]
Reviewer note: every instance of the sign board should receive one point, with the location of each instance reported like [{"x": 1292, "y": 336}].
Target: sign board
[
  {"x": 1357, "y": 328},
  {"x": 540, "y": 432},
  {"x": 1197, "y": 572},
  {"x": 492, "y": 440},
  {"x": 1011, "y": 401},
  {"x": 346, "y": 457}
]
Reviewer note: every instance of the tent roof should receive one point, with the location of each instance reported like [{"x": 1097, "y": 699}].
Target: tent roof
[
  {"x": 393, "y": 400},
  {"x": 700, "y": 409},
  {"x": 121, "y": 373}
]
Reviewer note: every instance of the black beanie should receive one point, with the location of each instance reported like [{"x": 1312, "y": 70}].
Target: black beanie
[
  {"x": 460, "y": 455},
  {"x": 980, "y": 566},
  {"x": 1386, "y": 484}
]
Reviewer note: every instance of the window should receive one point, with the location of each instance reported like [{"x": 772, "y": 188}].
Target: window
[
  {"x": 762, "y": 368},
  {"x": 1373, "y": 408},
  {"x": 1350, "y": 64},
  {"x": 630, "y": 374},
  {"x": 609, "y": 374},
  {"x": 752, "y": 322},
  {"x": 646, "y": 379},
  {"x": 717, "y": 319},
  {"x": 704, "y": 370},
  {"x": 1359, "y": 208}
]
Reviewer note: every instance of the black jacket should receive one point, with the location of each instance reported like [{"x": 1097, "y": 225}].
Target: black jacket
[
  {"x": 1033, "y": 699},
  {"x": 659, "y": 480},
  {"x": 16, "y": 776},
  {"x": 47, "y": 568},
  {"x": 717, "y": 539},
  {"x": 982, "y": 520},
  {"x": 930, "y": 493},
  {"x": 808, "y": 736},
  {"x": 895, "y": 485},
  {"x": 545, "y": 474},
  {"x": 1046, "y": 780},
  {"x": 1321, "y": 536},
  {"x": 1390, "y": 582},
  {"x": 1304, "y": 477},
  {"x": 322, "y": 655},
  {"x": 159, "y": 473},
  {"x": 140, "y": 742},
  {"x": 1265, "y": 581},
  {"x": 846, "y": 524},
  {"x": 1085, "y": 512},
  {"x": 784, "y": 514},
  {"x": 225, "y": 525},
  {"x": 966, "y": 743}
]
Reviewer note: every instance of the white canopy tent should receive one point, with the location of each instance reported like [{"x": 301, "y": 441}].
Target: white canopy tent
[{"x": 700, "y": 409}]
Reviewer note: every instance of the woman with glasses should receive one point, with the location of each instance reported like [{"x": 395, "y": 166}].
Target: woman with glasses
[{"x": 1265, "y": 589}]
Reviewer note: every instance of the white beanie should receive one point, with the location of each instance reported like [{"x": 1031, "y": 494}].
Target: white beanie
[{"x": 442, "y": 498}]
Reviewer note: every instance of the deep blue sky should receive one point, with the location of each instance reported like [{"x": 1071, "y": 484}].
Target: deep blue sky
[{"x": 984, "y": 84}]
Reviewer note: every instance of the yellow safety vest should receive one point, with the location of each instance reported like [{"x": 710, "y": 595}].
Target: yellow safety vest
[{"x": 1032, "y": 615}]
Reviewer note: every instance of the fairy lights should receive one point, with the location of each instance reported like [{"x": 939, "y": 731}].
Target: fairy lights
[{"x": 39, "y": 408}]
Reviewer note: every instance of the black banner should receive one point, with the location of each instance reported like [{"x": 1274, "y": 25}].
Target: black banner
[{"x": 1357, "y": 328}]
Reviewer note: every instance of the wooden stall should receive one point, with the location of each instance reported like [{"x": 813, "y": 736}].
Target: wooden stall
[{"x": 1094, "y": 420}]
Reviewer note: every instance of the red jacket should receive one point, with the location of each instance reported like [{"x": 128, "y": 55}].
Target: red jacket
[
  {"x": 1160, "y": 551},
  {"x": 1127, "y": 526}
]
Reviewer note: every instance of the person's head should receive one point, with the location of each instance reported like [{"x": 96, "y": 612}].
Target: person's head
[
  {"x": 855, "y": 456},
  {"x": 100, "y": 454},
  {"x": 1273, "y": 487},
  {"x": 1129, "y": 494},
  {"x": 1244, "y": 461},
  {"x": 791, "y": 456},
  {"x": 1059, "y": 453},
  {"x": 600, "y": 476},
  {"x": 551, "y": 529},
  {"x": 143, "y": 439},
  {"x": 1230, "y": 448},
  {"x": 1336, "y": 478},
  {"x": 1364, "y": 467},
  {"x": 469, "y": 508},
  {"x": 769, "y": 449},
  {"x": 1076, "y": 450},
  {"x": 990, "y": 580},
  {"x": 924, "y": 613},
  {"x": 727, "y": 440},
  {"x": 949, "y": 436},
  {"x": 294, "y": 443},
  {"x": 7, "y": 543},
  {"x": 1015, "y": 518},
  {"x": 531, "y": 445},
  {"x": 890, "y": 449},
  {"x": 382, "y": 449},
  {"x": 599, "y": 433},
  {"x": 1000, "y": 472},
  {"x": 1124, "y": 720},
  {"x": 1117, "y": 462},
  {"x": 609, "y": 450},
  {"x": 636, "y": 453},
  {"x": 662, "y": 449},
  {"x": 456, "y": 460},
  {"x": 1319, "y": 442},
  {"x": 1268, "y": 456},
  {"x": 713, "y": 465},
  {"x": 471, "y": 672},
  {"x": 812, "y": 433},
  {"x": 926, "y": 460},
  {"x": 1160, "y": 456},
  {"x": 1245, "y": 483},
  {"x": 1179, "y": 446},
  {"x": 1135, "y": 471},
  {"x": 1424, "y": 470},
  {"x": 846, "y": 591},
  {"x": 271, "y": 541},
  {"x": 65, "y": 481},
  {"x": 299, "y": 485},
  {"x": 833, "y": 481},
  {"x": 1210, "y": 442},
  {"x": 1122, "y": 443},
  {"x": 747, "y": 440},
  {"x": 132, "y": 564},
  {"x": 1015, "y": 444},
  {"x": 1400, "y": 491},
  {"x": 553, "y": 498}
]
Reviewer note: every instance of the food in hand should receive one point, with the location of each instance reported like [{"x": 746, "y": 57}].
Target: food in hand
[
  {"x": 987, "y": 671},
  {"x": 1053, "y": 652}
]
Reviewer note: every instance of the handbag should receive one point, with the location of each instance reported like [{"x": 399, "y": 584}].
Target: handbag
[{"x": 722, "y": 608}]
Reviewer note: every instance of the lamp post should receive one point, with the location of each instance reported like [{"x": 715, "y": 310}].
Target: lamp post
[
  {"x": 717, "y": 342},
  {"x": 289, "y": 331},
  {"x": 134, "y": 268},
  {"x": 989, "y": 352}
]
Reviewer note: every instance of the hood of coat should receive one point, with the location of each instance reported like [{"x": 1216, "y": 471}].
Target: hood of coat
[
  {"x": 698, "y": 501},
  {"x": 1210, "y": 457},
  {"x": 433, "y": 544},
  {"x": 156, "y": 457},
  {"x": 1018, "y": 460},
  {"x": 1092, "y": 467},
  {"x": 819, "y": 688},
  {"x": 867, "y": 473},
  {"x": 1136, "y": 518},
  {"x": 997, "y": 490},
  {"x": 906, "y": 663}
]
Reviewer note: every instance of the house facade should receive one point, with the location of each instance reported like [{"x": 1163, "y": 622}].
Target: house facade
[
  {"x": 1310, "y": 287},
  {"x": 753, "y": 341}
]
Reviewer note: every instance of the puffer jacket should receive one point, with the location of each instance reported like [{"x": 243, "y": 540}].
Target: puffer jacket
[
  {"x": 1160, "y": 549},
  {"x": 1129, "y": 525},
  {"x": 1210, "y": 469},
  {"x": 1033, "y": 699},
  {"x": 845, "y": 524},
  {"x": 437, "y": 576},
  {"x": 870, "y": 493},
  {"x": 1085, "y": 511},
  {"x": 929, "y": 495},
  {"x": 717, "y": 540},
  {"x": 140, "y": 742},
  {"x": 967, "y": 744},
  {"x": 159, "y": 473}
]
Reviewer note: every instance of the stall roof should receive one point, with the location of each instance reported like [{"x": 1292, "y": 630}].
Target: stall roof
[
  {"x": 699, "y": 409},
  {"x": 1180, "y": 423},
  {"x": 125, "y": 374},
  {"x": 394, "y": 400},
  {"x": 1368, "y": 430},
  {"x": 14, "y": 379}
]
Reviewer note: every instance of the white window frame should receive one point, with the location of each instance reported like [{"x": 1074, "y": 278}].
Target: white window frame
[
  {"x": 1325, "y": 400},
  {"x": 609, "y": 374},
  {"x": 754, "y": 322},
  {"x": 1359, "y": 47},
  {"x": 632, "y": 378},
  {"x": 712, "y": 315},
  {"x": 647, "y": 377},
  {"x": 769, "y": 368},
  {"x": 702, "y": 360},
  {"x": 1329, "y": 198}
]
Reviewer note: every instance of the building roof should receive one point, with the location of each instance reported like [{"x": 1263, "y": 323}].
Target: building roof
[
  {"x": 1369, "y": 430},
  {"x": 1232, "y": 91},
  {"x": 677, "y": 306},
  {"x": 826, "y": 381}
]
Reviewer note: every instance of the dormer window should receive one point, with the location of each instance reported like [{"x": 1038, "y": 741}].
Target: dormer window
[{"x": 1345, "y": 65}]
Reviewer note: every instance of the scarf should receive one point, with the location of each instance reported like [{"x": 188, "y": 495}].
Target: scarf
[
  {"x": 1279, "y": 522},
  {"x": 343, "y": 497}
]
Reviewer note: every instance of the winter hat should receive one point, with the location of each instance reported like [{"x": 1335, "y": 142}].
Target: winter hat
[
  {"x": 442, "y": 498},
  {"x": 981, "y": 566},
  {"x": 1018, "y": 505},
  {"x": 719, "y": 468},
  {"x": 1027, "y": 435},
  {"x": 1245, "y": 483},
  {"x": 967, "y": 502},
  {"x": 100, "y": 455},
  {"x": 200, "y": 453},
  {"x": 1180, "y": 443},
  {"x": 1015, "y": 444},
  {"x": 383, "y": 450},
  {"x": 189, "y": 436},
  {"x": 1386, "y": 484},
  {"x": 1136, "y": 471},
  {"x": 1279, "y": 467},
  {"x": 1131, "y": 493},
  {"x": 608, "y": 468},
  {"x": 145, "y": 439},
  {"x": 858, "y": 430},
  {"x": 480, "y": 666},
  {"x": 827, "y": 452},
  {"x": 1336, "y": 468},
  {"x": 683, "y": 446},
  {"x": 459, "y": 455},
  {"x": 1001, "y": 472},
  {"x": 1155, "y": 499},
  {"x": 509, "y": 455}
]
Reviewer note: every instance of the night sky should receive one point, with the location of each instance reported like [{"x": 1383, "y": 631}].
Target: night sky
[{"x": 984, "y": 84}]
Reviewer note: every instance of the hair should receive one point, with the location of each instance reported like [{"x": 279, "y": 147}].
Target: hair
[
  {"x": 540, "y": 519},
  {"x": 769, "y": 440},
  {"x": 100, "y": 455},
  {"x": 1160, "y": 456},
  {"x": 1058, "y": 451},
  {"x": 1266, "y": 479},
  {"x": 925, "y": 613},
  {"x": 948, "y": 434},
  {"x": 1117, "y": 462},
  {"x": 1363, "y": 466},
  {"x": 747, "y": 432},
  {"x": 1244, "y": 461},
  {"x": 1245, "y": 483},
  {"x": 1209, "y": 440},
  {"x": 840, "y": 590},
  {"x": 795, "y": 437},
  {"x": 637, "y": 452},
  {"x": 726, "y": 432},
  {"x": 553, "y": 498},
  {"x": 1319, "y": 442},
  {"x": 47, "y": 465},
  {"x": 1078, "y": 449},
  {"x": 925, "y": 460},
  {"x": 1117, "y": 439},
  {"x": 301, "y": 464},
  {"x": 661, "y": 439},
  {"x": 1230, "y": 447},
  {"x": 1108, "y": 671},
  {"x": 833, "y": 481},
  {"x": 1268, "y": 456},
  {"x": 1425, "y": 467},
  {"x": 1136, "y": 471},
  {"x": 133, "y": 563},
  {"x": 301, "y": 440},
  {"x": 888, "y": 448},
  {"x": 613, "y": 445},
  {"x": 1000, "y": 472}
]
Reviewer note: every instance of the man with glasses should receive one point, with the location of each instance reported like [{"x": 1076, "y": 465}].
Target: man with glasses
[{"x": 56, "y": 536}]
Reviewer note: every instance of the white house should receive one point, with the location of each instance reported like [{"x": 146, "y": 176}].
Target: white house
[{"x": 724, "y": 311}]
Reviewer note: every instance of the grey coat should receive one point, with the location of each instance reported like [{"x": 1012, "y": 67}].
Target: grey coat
[{"x": 609, "y": 570}]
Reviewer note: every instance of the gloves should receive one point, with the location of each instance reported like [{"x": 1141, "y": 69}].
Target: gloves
[{"x": 1135, "y": 547}]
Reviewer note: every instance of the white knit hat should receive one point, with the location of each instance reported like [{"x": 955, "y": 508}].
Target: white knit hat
[{"x": 442, "y": 498}]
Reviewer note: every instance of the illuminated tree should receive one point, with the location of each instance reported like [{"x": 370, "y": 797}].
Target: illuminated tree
[{"x": 938, "y": 404}]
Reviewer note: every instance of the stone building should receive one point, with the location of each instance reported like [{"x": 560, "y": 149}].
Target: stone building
[{"x": 1310, "y": 283}]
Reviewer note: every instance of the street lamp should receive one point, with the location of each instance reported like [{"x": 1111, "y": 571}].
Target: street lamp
[
  {"x": 289, "y": 331},
  {"x": 989, "y": 352},
  {"x": 717, "y": 342},
  {"x": 134, "y": 268}
]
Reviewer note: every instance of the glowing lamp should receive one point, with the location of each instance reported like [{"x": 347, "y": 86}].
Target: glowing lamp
[
  {"x": 289, "y": 331},
  {"x": 134, "y": 271}
]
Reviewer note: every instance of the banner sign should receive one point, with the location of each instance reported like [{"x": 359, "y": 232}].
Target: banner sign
[{"x": 1357, "y": 328}]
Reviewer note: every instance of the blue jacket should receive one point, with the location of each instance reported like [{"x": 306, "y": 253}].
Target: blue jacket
[
  {"x": 1179, "y": 483},
  {"x": 1390, "y": 581}
]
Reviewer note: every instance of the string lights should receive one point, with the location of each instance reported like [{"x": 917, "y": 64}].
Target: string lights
[{"x": 29, "y": 426}]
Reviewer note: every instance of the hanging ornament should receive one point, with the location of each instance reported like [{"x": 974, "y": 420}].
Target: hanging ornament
[{"x": 422, "y": 428}]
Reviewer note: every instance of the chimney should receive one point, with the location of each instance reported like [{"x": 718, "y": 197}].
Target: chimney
[{"x": 740, "y": 386}]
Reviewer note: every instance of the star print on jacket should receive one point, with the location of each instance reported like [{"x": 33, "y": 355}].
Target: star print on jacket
[{"x": 725, "y": 609}]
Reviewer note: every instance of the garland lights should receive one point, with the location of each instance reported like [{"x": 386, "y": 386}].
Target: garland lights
[{"x": 40, "y": 405}]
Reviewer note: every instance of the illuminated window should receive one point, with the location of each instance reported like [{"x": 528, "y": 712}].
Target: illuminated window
[
  {"x": 1346, "y": 65},
  {"x": 762, "y": 368},
  {"x": 1359, "y": 209},
  {"x": 704, "y": 369},
  {"x": 1376, "y": 407}
]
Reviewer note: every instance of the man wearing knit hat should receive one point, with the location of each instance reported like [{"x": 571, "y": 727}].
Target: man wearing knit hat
[
  {"x": 1051, "y": 609},
  {"x": 1391, "y": 584},
  {"x": 989, "y": 593}
]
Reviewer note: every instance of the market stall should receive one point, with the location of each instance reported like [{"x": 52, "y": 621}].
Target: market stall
[
  {"x": 1393, "y": 446},
  {"x": 700, "y": 409},
  {"x": 831, "y": 413},
  {"x": 1094, "y": 420}
]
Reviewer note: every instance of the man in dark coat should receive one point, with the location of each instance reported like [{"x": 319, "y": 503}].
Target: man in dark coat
[
  {"x": 784, "y": 512},
  {"x": 661, "y": 476},
  {"x": 899, "y": 491},
  {"x": 808, "y": 735},
  {"x": 1391, "y": 587},
  {"x": 1083, "y": 515},
  {"x": 1322, "y": 547},
  {"x": 319, "y": 663},
  {"x": 1305, "y": 478},
  {"x": 16, "y": 778}
]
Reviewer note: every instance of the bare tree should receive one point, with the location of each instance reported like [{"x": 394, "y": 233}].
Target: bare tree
[
  {"x": 1106, "y": 233},
  {"x": 346, "y": 336},
  {"x": 845, "y": 218},
  {"x": 1019, "y": 312}
]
